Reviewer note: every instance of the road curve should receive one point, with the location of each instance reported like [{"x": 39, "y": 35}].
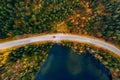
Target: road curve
[{"x": 60, "y": 37}]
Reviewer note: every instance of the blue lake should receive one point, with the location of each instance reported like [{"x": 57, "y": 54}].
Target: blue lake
[{"x": 63, "y": 64}]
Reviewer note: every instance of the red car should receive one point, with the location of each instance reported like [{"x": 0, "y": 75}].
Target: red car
[{"x": 54, "y": 36}]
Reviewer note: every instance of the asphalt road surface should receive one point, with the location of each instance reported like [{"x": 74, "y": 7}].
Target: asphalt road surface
[{"x": 59, "y": 37}]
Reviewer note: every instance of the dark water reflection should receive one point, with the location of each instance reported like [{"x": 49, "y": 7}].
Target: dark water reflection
[{"x": 63, "y": 64}]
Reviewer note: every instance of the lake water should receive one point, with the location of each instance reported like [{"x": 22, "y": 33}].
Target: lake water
[{"x": 63, "y": 64}]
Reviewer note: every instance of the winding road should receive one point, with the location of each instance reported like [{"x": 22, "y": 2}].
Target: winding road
[{"x": 59, "y": 37}]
